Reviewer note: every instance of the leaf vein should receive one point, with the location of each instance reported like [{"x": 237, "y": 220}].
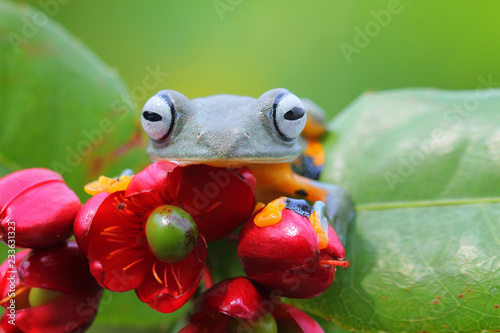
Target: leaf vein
[{"x": 426, "y": 203}]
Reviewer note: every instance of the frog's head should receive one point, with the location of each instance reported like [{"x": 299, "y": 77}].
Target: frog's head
[{"x": 224, "y": 130}]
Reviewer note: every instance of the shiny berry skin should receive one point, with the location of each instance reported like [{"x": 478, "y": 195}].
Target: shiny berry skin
[
  {"x": 286, "y": 256},
  {"x": 171, "y": 233}
]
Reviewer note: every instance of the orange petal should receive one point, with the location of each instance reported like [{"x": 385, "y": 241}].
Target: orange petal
[
  {"x": 120, "y": 185},
  {"x": 100, "y": 185},
  {"x": 271, "y": 214}
]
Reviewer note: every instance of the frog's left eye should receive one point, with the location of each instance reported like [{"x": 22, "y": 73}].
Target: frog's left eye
[
  {"x": 288, "y": 115},
  {"x": 158, "y": 117}
]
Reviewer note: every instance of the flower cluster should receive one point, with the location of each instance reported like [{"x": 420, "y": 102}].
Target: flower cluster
[
  {"x": 149, "y": 232},
  {"x": 152, "y": 236}
]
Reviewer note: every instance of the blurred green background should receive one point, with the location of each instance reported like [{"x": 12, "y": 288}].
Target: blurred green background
[
  {"x": 247, "y": 47},
  {"x": 329, "y": 51}
]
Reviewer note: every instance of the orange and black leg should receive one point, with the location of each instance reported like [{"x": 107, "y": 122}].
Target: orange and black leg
[{"x": 275, "y": 180}]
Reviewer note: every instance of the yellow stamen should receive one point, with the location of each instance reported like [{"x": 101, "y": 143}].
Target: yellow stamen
[
  {"x": 120, "y": 251},
  {"x": 271, "y": 214},
  {"x": 156, "y": 274},
  {"x": 176, "y": 279},
  {"x": 132, "y": 264},
  {"x": 322, "y": 234}
]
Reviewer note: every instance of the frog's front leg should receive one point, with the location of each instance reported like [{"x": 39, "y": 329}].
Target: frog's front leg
[{"x": 274, "y": 180}]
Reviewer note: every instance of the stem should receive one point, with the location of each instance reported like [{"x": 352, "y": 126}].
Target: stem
[
  {"x": 343, "y": 263},
  {"x": 207, "y": 277}
]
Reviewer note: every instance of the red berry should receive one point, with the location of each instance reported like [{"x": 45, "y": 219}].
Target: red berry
[{"x": 286, "y": 256}]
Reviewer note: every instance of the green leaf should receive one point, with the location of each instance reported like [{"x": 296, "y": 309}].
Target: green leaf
[
  {"x": 423, "y": 167},
  {"x": 124, "y": 312},
  {"x": 223, "y": 259},
  {"x": 62, "y": 107}
]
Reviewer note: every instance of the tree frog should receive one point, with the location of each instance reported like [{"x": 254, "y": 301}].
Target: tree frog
[{"x": 265, "y": 134}]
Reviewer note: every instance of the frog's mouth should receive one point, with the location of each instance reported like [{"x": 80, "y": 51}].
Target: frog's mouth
[
  {"x": 226, "y": 156},
  {"x": 227, "y": 162}
]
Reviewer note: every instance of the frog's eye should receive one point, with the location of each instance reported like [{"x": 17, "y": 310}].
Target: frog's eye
[
  {"x": 158, "y": 117},
  {"x": 288, "y": 115}
]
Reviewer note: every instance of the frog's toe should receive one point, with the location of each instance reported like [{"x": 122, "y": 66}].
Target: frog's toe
[
  {"x": 304, "y": 166},
  {"x": 339, "y": 208}
]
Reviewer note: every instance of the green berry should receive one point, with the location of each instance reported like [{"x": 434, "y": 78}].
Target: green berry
[
  {"x": 39, "y": 296},
  {"x": 171, "y": 233},
  {"x": 265, "y": 324}
]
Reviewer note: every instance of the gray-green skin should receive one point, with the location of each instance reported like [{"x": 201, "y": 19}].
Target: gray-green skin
[
  {"x": 225, "y": 130},
  {"x": 232, "y": 131}
]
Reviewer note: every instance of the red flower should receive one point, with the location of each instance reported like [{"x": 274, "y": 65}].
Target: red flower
[
  {"x": 37, "y": 207},
  {"x": 237, "y": 305},
  {"x": 127, "y": 243},
  {"x": 57, "y": 292},
  {"x": 291, "y": 251}
]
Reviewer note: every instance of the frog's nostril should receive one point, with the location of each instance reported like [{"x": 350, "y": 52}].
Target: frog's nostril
[{"x": 224, "y": 143}]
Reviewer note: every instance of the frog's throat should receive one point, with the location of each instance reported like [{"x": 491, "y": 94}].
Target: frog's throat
[{"x": 229, "y": 163}]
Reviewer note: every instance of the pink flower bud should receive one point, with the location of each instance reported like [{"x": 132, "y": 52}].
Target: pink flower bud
[{"x": 37, "y": 208}]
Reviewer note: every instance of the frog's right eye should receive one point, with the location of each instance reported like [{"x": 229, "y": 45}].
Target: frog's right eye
[
  {"x": 158, "y": 117},
  {"x": 288, "y": 116}
]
